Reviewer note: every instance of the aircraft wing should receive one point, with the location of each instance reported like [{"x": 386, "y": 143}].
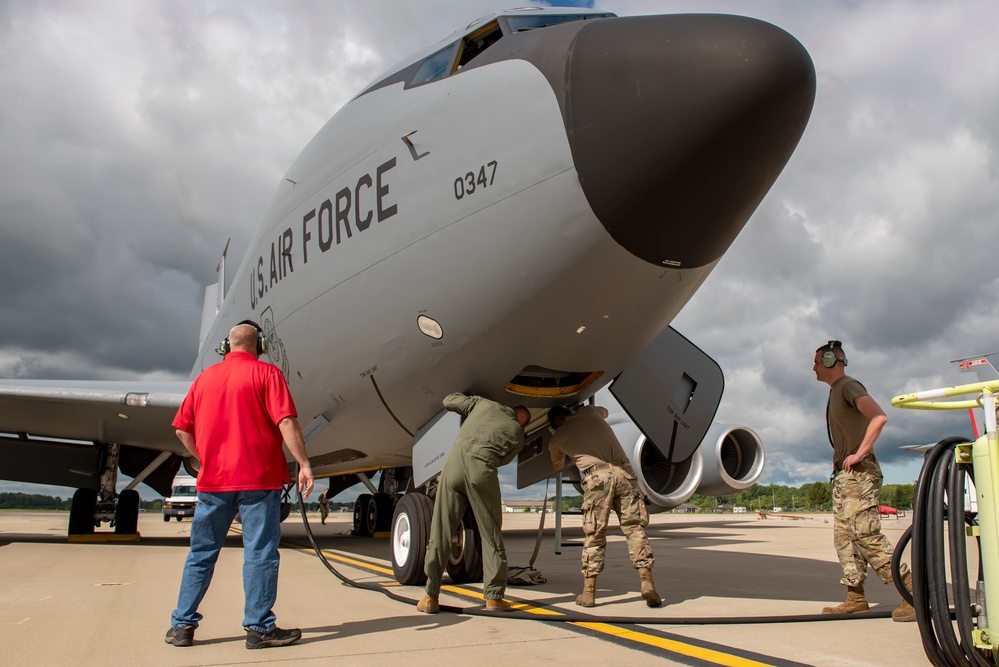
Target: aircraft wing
[{"x": 38, "y": 418}]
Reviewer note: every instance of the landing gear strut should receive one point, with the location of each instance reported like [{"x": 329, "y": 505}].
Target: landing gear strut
[{"x": 90, "y": 507}]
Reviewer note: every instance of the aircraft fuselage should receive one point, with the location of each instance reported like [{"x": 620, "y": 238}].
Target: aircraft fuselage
[{"x": 442, "y": 237}]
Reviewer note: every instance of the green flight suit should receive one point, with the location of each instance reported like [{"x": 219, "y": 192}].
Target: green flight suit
[{"x": 489, "y": 437}]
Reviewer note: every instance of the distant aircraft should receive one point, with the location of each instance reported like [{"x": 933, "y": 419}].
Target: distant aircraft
[{"x": 518, "y": 211}]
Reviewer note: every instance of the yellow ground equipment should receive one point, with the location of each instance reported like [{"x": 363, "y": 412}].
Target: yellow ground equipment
[{"x": 954, "y": 628}]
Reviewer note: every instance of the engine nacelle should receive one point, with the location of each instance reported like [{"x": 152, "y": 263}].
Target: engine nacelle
[
  {"x": 729, "y": 459},
  {"x": 733, "y": 459},
  {"x": 665, "y": 484}
]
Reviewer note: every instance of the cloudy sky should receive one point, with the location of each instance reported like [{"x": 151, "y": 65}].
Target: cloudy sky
[{"x": 137, "y": 138}]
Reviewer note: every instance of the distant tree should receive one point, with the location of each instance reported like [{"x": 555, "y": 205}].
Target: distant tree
[
  {"x": 819, "y": 494},
  {"x": 900, "y": 496},
  {"x": 31, "y": 501}
]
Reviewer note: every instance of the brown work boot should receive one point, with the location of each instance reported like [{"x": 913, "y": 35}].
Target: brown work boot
[
  {"x": 905, "y": 612},
  {"x": 430, "y": 604},
  {"x": 649, "y": 592},
  {"x": 855, "y": 601},
  {"x": 588, "y": 597},
  {"x": 498, "y": 605}
]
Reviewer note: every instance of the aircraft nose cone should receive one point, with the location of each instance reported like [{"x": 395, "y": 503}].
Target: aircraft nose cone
[{"x": 680, "y": 124}]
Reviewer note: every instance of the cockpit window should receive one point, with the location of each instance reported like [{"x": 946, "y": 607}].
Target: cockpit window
[
  {"x": 477, "y": 42},
  {"x": 520, "y": 23},
  {"x": 434, "y": 67},
  {"x": 453, "y": 57}
]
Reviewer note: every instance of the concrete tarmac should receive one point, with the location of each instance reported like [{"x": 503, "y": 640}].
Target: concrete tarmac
[{"x": 110, "y": 603}]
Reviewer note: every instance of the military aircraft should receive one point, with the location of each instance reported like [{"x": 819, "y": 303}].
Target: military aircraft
[{"x": 518, "y": 211}]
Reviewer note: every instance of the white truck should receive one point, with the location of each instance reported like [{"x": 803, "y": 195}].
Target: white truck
[{"x": 183, "y": 498}]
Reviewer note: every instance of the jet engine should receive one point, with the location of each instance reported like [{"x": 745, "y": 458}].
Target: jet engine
[
  {"x": 729, "y": 459},
  {"x": 733, "y": 459}
]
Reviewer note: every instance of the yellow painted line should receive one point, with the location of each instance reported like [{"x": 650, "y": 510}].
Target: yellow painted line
[
  {"x": 705, "y": 654},
  {"x": 357, "y": 563},
  {"x": 331, "y": 555}
]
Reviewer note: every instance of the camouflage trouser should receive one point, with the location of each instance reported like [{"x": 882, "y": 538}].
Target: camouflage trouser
[
  {"x": 603, "y": 490},
  {"x": 857, "y": 527}
]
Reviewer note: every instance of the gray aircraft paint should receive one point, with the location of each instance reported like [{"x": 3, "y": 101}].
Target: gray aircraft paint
[{"x": 515, "y": 267}]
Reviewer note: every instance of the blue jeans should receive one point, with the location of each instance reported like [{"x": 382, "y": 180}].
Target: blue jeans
[{"x": 260, "y": 513}]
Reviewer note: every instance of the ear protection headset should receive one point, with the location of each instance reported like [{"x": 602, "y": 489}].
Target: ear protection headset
[
  {"x": 262, "y": 346},
  {"x": 829, "y": 357}
]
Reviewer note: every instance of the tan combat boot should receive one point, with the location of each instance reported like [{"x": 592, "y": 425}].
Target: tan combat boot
[
  {"x": 855, "y": 601},
  {"x": 498, "y": 605},
  {"x": 649, "y": 592},
  {"x": 588, "y": 597},
  {"x": 906, "y": 612},
  {"x": 430, "y": 604}
]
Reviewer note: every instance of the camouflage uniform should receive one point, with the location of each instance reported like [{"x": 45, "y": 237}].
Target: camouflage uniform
[
  {"x": 613, "y": 487},
  {"x": 857, "y": 534},
  {"x": 324, "y": 507},
  {"x": 608, "y": 484}
]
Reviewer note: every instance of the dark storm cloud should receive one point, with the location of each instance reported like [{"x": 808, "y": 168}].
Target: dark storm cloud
[
  {"x": 880, "y": 232},
  {"x": 137, "y": 138}
]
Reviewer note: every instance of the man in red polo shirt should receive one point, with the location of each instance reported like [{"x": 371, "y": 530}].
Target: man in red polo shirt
[{"x": 234, "y": 418}]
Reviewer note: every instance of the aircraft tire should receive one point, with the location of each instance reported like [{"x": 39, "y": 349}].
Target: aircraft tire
[
  {"x": 410, "y": 533},
  {"x": 81, "y": 512},
  {"x": 126, "y": 513},
  {"x": 465, "y": 563},
  {"x": 382, "y": 521},
  {"x": 362, "y": 527},
  {"x": 285, "y": 511}
]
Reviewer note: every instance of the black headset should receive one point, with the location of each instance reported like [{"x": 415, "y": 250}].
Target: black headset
[
  {"x": 829, "y": 357},
  {"x": 262, "y": 347}
]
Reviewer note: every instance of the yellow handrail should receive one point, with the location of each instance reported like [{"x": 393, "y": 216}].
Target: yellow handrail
[{"x": 931, "y": 398}]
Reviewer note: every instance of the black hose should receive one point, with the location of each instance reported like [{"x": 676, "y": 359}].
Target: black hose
[
  {"x": 920, "y": 581},
  {"x": 942, "y": 474},
  {"x": 937, "y": 563},
  {"x": 959, "y": 562},
  {"x": 903, "y": 544},
  {"x": 896, "y": 564},
  {"x": 569, "y": 617}
]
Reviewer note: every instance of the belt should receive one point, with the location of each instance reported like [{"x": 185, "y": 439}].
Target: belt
[{"x": 596, "y": 467}]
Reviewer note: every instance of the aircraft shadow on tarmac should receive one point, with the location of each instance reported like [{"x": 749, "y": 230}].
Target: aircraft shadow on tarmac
[
  {"x": 689, "y": 565},
  {"x": 180, "y": 541}
]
